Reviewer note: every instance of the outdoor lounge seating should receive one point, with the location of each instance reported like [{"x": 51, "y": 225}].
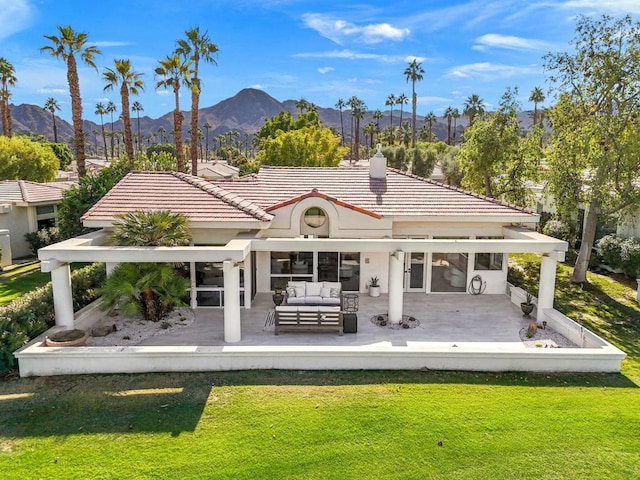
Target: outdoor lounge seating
[
  {"x": 307, "y": 318},
  {"x": 313, "y": 293}
]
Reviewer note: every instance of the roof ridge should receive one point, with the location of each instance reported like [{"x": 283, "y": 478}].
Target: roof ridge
[
  {"x": 23, "y": 190},
  {"x": 463, "y": 191},
  {"x": 226, "y": 196}
]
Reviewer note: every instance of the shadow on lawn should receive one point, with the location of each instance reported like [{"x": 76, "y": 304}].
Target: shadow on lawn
[{"x": 173, "y": 403}]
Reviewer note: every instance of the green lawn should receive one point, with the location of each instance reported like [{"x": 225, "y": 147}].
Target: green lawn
[
  {"x": 20, "y": 280},
  {"x": 339, "y": 425}
]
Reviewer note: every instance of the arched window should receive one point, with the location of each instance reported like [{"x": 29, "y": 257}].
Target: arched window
[{"x": 315, "y": 217}]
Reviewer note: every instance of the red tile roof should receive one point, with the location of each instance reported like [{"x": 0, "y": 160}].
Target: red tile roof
[
  {"x": 23, "y": 191},
  {"x": 198, "y": 199}
]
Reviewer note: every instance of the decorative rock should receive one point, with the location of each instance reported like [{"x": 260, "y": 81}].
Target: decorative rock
[{"x": 103, "y": 330}]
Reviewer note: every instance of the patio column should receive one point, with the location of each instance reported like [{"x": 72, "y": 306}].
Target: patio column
[
  {"x": 247, "y": 281},
  {"x": 232, "y": 331},
  {"x": 62, "y": 293},
  {"x": 396, "y": 291},
  {"x": 547, "y": 286}
]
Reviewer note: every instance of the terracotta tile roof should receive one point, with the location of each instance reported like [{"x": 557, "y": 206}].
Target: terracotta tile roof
[
  {"x": 399, "y": 194},
  {"x": 23, "y": 191},
  {"x": 198, "y": 199}
]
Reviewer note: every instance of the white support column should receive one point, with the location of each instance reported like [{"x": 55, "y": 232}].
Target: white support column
[
  {"x": 396, "y": 291},
  {"x": 547, "y": 286},
  {"x": 193, "y": 279},
  {"x": 232, "y": 331},
  {"x": 62, "y": 295},
  {"x": 248, "y": 281}
]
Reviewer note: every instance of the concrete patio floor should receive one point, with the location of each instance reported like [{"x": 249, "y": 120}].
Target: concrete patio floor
[{"x": 444, "y": 319}]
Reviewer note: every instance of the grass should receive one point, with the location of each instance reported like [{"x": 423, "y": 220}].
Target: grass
[
  {"x": 21, "y": 279},
  {"x": 340, "y": 425}
]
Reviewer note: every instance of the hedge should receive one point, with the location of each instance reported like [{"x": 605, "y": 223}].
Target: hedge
[{"x": 33, "y": 313}]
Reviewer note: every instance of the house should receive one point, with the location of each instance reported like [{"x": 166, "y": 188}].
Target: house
[
  {"x": 217, "y": 170},
  {"x": 27, "y": 207}
]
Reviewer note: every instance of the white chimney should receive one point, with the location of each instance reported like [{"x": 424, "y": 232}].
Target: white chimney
[{"x": 378, "y": 164}]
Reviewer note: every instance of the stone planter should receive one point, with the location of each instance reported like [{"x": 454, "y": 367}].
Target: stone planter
[
  {"x": 374, "y": 291},
  {"x": 527, "y": 308},
  {"x": 67, "y": 338}
]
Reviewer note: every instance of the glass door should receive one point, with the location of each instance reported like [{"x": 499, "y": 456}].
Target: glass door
[{"x": 415, "y": 272}]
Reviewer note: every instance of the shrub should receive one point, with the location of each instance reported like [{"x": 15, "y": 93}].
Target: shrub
[
  {"x": 42, "y": 238},
  {"x": 22, "y": 159},
  {"x": 557, "y": 229},
  {"x": 609, "y": 249},
  {"x": 62, "y": 153},
  {"x": 161, "y": 147},
  {"x": 31, "y": 314},
  {"x": 630, "y": 256}
]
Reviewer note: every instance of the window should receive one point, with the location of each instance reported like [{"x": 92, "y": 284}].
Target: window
[
  {"x": 489, "y": 261},
  {"x": 314, "y": 217}
]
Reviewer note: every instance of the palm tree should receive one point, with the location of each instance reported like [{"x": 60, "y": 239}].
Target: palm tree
[
  {"x": 175, "y": 71},
  {"x": 148, "y": 289},
  {"x": 448, "y": 115},
  {"x": 429, "y": 120},
  {"x": 137, "y": 107},
  {"x": 370, "y": 129},
  {"x": 390, "y": 102},
  {"x": 7, "y": 78},
  {"x": 161, "y": 132},
  {"x": 377, "y": 116},
  {"x": 111, "y": 109},
  {"x": 402, "y": 100},
  {"x": 415, "y": 73},
  {"x": 537, "y": 96},
  {"x": 455, "y": 114},
  {"x": 52, "y": 105},
  {"x": 358, "y": 109},
  {"x": 206, "y": 126},
  {"x": 303, "y": 105},
  {"x": 65, "y": 47},
  {"x": 130, "y": 83},
  {"x": 340, "y": 105},
  {"x": 473, "y": 106},
  {"x": 404, "y": 134},
  {"x": 194, "y": 48}
]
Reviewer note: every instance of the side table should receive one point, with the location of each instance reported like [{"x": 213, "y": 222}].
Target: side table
[{"x": 350, "y": 304}]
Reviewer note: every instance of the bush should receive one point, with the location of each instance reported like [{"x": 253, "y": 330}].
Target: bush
[
  {"x": 42, "y": 238},
  {"x": 22, "y": 159},
  {"x": 630, "y": 256},
  {"x": 31, "y": 314},
  {"x": 161, "y": 148},
  {"x": 62, "y": 153},
  {"x": 609, "y": 249},
  {"x": 557, "y": 229}
]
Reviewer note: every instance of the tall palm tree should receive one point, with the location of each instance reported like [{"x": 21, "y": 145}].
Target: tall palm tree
[
  {"x": 206, "y": 126},
  {"x": 537, "y": 96},
  {"x": 358, "y": 109},
  {"x": 473, "y": 106},
  {"x": 161, "y": 132},
  {"x": 65, "y": 47},
  {"x": 101, "y": 110},
  {"x": 303, "y": 105},
  {"x": 404, "y": 134},
  {"x": 7, "y": 78},
  {"x": 173, "y": 72},
  {"x": 455, "y": 114},
  {"x": 370, "y": 129},
  {"x": 402, "y": 100},
  {"x": 448, "y": 115},
  {"x": 122, "y": 75},
  {"x": 52, "y": 106},
  {"x": 429, "y": 119},
  {"x": 137, "y": 107},
  {"x": 415, "y": 73},
  {"x": 390, "y": 102},
  {"x": 377, "y": 116},
  {"x": 194, "y": 48},
  {"x": 340, "y": 106},
  {"x": 111, "y": 109}
]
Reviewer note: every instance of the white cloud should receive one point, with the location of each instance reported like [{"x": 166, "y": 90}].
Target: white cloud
[
  {"x": 351, "y": 55},
  {"x": 15, "y": 15},
  {"x": 411, "y": 58},
  {"x": 324, "y": 70},
  {"x": 108, "y": 43},
  {"x": 164, "y": 93},
  {"x": 495, "y": 40},
  {"x": 338, "y": 30},
  {"x": 611, "y": 6},
  {"x": 488, "y": 71},
  {"x": 428, "y": 99},
  {"x": 53, "y": 90}
]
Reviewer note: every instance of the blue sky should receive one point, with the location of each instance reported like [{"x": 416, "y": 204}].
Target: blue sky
[{"x": 317, "y": 50}]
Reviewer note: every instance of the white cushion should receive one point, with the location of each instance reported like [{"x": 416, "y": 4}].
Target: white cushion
[
  {"x": 308, "y": 308},
  {"x": 284, "y": 308},
  {"x": 337, "y": 285},
  {"x": 330, "y": 301},
  {"x": 296, "y": 300},
  {"x": 291, "y": 291},
  {"x": 300, "y": 292},
  {"x": 325, "y": 292},
  {"x": 313, "y": 299},
  {"x": 313, "y": 289}
]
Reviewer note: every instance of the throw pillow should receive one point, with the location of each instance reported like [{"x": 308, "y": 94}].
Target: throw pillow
[
  {"x": 334, "y": 293},
  {"x": 299, "y": 291},
  {"x": 291, "y": 291},
  {"x": 325, "y": 292}
]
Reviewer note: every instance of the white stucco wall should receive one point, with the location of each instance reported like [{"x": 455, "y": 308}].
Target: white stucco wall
[{"x": 18, "y": 221}]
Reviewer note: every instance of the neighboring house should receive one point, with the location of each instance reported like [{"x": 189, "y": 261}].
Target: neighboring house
[
  {"x": 255, "y": 233},
  {"x": 27, "y": 207},
  {"x": 217, "y": 171}
]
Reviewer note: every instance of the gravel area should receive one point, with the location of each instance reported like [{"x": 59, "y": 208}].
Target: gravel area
[
  {"x": 546, "y": 338},
  {"x": 133, "y": 330}
]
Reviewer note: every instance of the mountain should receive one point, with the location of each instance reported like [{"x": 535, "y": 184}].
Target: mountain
[{"x": 245, "y": 112}]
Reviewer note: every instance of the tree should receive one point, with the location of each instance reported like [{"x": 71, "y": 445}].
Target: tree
[
  {"x": 402, "y": 100},
  {"x": 284, "y": 122},
  {"x": 429, "y": 119},
  {"x": 310, "y": 146},
  {"x": 111, "y": 109},
  {"x": 473, "y": 106},
  {"x": 52, "y": 106},
  {"x": 66, "y": 47},
  {"x": 448, "y": 114},
  {"x": 340, "y": 106},
  {"x": 455, "y": 114},
  {"x": 148, "y": 289},
  {"x": 194, "y": 48},
  {"x": 537, "y": 96},
  {"x": 206, "y": 126},
  {"x": 7, "y": 78},
  {"x": 24, "y": 159},
  {"x": 173, "y": 72},
  {"x": 594, "y": 151},
  {"x": 303, "y": 105},
  {"x": 122, "y": 75},
  {"x": 137, "y": 107},
  {"x": 358, "y": 109},
  {"x": 415, "y": 73},
  {"x": 404, "y": 134},
  {"x": 101, "y": 110},
  {"x": 390, "y": 102},
  {"x": 496, "y": 161},
  {"x": 370, "y": 129}
]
